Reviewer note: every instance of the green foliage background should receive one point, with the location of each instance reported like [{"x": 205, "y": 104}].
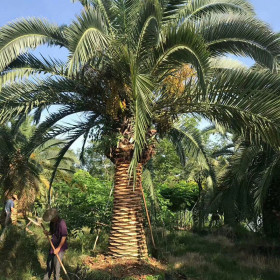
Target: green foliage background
[{"x": 85, "y": 201}]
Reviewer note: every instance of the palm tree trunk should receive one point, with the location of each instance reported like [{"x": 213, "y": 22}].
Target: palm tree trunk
[{"x": 127, "y": 238}]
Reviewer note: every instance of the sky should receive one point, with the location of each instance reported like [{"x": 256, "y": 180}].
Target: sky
[{"x": 64, "y": 11}]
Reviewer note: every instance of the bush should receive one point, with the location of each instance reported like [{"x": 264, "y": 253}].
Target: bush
[{"x": 84, "y": 202}]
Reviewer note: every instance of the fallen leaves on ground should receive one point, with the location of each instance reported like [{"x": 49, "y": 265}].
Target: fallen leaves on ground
[{"x": 120, "y": 268}]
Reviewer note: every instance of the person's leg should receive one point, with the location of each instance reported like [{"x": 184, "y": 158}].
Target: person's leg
[
  {"x": 3, "y": 234},
  {"x": 57, "y": 265},
  {"x": 6, "y": 223},
  {"x": 50, "y": 267},
  {"x": 7, "y": 219}
]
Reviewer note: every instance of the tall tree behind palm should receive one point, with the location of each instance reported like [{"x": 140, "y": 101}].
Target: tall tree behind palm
[{"x": 121, "y": 54}]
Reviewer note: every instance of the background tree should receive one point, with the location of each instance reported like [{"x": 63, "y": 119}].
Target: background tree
[
  {"x": 19, "y": 173},
  {"x": 96, "y": 163},
  {"x": 26, "y": 172},
  {"x": 248, "y": 187}
]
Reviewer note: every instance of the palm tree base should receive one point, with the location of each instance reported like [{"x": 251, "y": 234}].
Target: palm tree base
[{"x": 127, "y": 239}]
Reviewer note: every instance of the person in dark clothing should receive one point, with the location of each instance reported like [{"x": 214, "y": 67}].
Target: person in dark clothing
[
  {"x": 58, "y": 231},
  {"x": 9, "y": 208}
]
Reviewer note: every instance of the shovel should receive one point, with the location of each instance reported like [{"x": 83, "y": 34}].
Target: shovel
[{"x": 41, "y": 225}]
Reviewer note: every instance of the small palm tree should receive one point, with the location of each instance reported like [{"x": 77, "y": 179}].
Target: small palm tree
[
  {"x": 18, "y": 173},
  {"x": 46, "y": 156},
  {"x": 24, "y": 171},
  {"x": 121, "y": 54}
]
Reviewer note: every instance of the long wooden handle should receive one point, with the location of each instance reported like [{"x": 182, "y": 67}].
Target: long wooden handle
[
  {"x": 57, "y": 254},
  {"x": 148, "y": 216}
]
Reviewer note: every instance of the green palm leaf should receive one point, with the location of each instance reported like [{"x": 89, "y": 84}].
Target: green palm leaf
[
  {"x": 188, "y": 143},
  {"x": 87, "y": 37},
  {"x": 198, "y": 8},
  {"x": 240, "y": 35},
  {"x": 143, "y": 87},
  {"x": 182, "y": 46},
  {"x": 245, "y": 101},
  {"x": 23, "y": 35},
  {"x": 26, "y": 65}
]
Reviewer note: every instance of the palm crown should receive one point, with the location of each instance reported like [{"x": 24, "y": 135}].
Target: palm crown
[{"x": 121, "y": 56}]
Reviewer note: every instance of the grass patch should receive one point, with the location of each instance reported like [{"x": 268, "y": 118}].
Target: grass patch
[
  {"x": 212, "y": 257},
  {"x": 187, "y": 256},
  {"x": 18, "y": 258},
  {"x": 23, "y": 254}
]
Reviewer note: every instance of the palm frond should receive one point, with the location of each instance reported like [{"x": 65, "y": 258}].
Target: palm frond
[
  {"x": 214, "y": 128},
  {"x": 224, "y": 151},
  {"x": 74, "y": 133},
  {"x": 125, "y": 13},
  {"x": 182, "y": 46},
  {"x": 148, "y": 37},
  {"x": 245, "y": 101},
  {"x": 87, "y": 36},
  {"x": 239, "y": 35},
  {"x": 85, "y": 3},
  {"x": 24, "y": 96},
  {"x": 49, "y": 129},
  {"x": 26, "y": 65},
  {"x": 18, "y": 37},
  {"x": 105, "y": 7},
  {"x": 226, "y": 63},
  {"x": 146, "y": 34},
  {"x": 188, "y": 142},
  {"x": 198, "y": 8},
  {"x": 142, "y": 90}
]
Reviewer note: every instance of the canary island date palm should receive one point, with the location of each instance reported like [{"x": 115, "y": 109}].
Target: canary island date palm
[
  {"x": 23, "y": 169},
  {"x": 121, "y": 54},
  {"x": 18, "y": 174}
]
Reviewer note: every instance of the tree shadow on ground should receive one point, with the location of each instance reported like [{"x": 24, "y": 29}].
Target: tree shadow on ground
[
  {"x": 18, "y": 256},
  {"x": 215, "y": 257}
]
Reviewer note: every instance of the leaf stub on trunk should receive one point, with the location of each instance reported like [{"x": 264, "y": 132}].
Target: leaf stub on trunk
[{"x": 127, "y": 238}]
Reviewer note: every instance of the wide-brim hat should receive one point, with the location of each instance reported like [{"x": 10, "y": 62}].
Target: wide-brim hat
[
  {"x": 50, "y": 214},
  {"x": 15, "y": 196}
]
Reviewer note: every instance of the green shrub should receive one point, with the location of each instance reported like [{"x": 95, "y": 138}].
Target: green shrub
[{"x": 84, "y": 202}]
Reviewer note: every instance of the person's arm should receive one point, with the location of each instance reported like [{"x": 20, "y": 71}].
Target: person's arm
[
  {"x": 63, "y": 239},
  {"x": 12, "y": 207}
]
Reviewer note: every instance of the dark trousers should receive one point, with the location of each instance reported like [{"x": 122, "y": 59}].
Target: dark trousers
[
  {"x": 7, "y": 222},
  {"x": 53, "y": 266},
  {"x": 8, "y": 219}
]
